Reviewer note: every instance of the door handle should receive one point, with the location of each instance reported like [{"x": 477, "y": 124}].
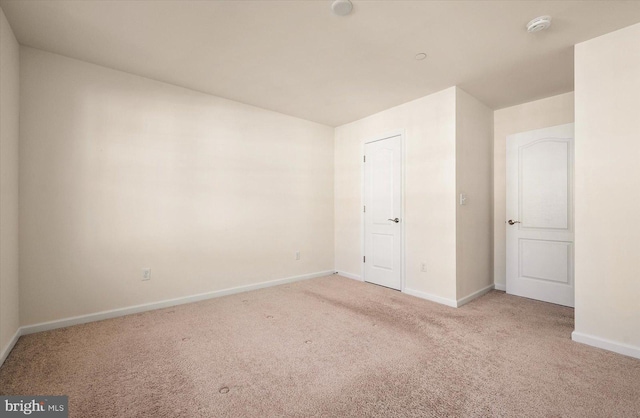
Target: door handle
[
  {"x": 396, "y": 220},
  {"x": 512, "y": 222}
]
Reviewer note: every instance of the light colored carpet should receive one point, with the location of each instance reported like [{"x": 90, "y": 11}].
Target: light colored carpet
[{"x": 329, "y": 347}]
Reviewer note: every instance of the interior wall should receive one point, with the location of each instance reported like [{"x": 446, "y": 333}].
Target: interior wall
[
  {"x": 544, "y": 113},
  {"x": 120, "y": 173},
  {"x": 430, "y": 187},
  {"x": 474, "y": 179},
  {"x": 607, "y": 81},
  {"x": 9, "y": 126}
]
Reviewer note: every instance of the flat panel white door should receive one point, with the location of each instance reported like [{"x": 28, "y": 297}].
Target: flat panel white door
[
  {"x": 382, "y": 212},
  {"x": 540, "y": 215}
]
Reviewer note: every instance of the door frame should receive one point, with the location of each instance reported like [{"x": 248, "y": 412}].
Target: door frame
[{"x": 402, "y": 134}]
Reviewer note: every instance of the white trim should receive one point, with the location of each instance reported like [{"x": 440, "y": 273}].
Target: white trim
[
  {"x": 616, "y": 347},
  {"x": 114, "y": 313},
  {"x": 349, "y": 275},
  {"x": 500, "y": 286},
  {"x": 7, "y": 348},
  {"x": 448, "y": 302},
  {"x": 403, "y": 144},
  {"x": 433, "y": 298},
  {"x": 474, "y": 295}
]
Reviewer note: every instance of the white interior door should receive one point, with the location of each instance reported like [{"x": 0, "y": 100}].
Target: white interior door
[
  {"x": 383, "y": 212},
  {"x": 540, "y": 230}
]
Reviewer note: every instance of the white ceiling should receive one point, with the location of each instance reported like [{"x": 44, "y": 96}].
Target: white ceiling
[{"x": 297, "y": 58}]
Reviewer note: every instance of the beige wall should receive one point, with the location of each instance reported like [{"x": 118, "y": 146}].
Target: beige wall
[
  {"x": 9, "y": 112},
  {"x": 552, "y": 111},
  {"x": 474, "y": 179},
  {"x": 119, "y": 173},
  {"x": 430, "y": 190},
  {"x": 607, "y": 80}
]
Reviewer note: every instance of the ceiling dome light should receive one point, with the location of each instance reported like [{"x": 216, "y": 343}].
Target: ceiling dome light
[
  {"x": 341, "y": 7},
  {"x": 538, "y": 24},
  {"x": 420, "y": 56}
]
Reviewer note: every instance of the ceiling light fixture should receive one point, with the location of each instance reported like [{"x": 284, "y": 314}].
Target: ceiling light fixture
[
  {"x": 341, "y": 7},
  {"x": 420, "y": 56},
  {"x": 538, "y": 24}
]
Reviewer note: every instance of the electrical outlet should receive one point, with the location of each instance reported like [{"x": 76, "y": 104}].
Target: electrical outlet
[
  {"x": 423, "y": 267},
  {"x": 146, "y": 274},
  {"x": 297, "y": 255}
]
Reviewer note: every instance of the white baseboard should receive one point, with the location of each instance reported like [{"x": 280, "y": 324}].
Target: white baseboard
[
  {"x": 448, "y": 302},
  {"x": 500, "y": 286},
  {"x": 349, "y": 275},
  {"x": 430, "y": 297},
  {"x": 114, "y": 313},
  {"x": 616, "y": 347},
  {"x": 474, "y": 295},
  {"x": 7, "y": 348}
]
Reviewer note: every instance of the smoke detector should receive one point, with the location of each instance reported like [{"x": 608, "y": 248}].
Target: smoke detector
[
  {"x": 341, "y": 7},
  {"x": 538, "y": 24}
]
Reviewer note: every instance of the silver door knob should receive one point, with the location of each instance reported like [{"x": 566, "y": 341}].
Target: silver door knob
[
  {"x": 396, "y": 220},
  {"x": 512, "y": 222}
]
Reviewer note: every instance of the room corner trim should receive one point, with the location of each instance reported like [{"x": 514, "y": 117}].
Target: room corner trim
[
  {"x": 616, "y": 347},
  {"x": 349, "y": 275},
  {"x": 7, "y": 348},
  {"x": 500, "y": 286},
  {"x": 114, "y": 313},
  {"x": 474, "y": 295},
  {"x": 433, "y": 298}
]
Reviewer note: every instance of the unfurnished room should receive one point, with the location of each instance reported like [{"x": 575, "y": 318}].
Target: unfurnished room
[{"x": 319, "y": 208}]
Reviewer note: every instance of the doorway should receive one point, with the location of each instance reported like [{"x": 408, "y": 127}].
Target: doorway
[
  {"x": 540, "y": 221},
  {"x": 383, "y": 212}
]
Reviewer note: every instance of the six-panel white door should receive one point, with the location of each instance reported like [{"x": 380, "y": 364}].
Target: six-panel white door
[
  {"x": 540, "y": 229},
  {"x": 383, "y": 212}
]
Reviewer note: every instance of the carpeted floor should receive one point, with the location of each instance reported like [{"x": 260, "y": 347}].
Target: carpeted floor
[{"x": 329, "y": 347}]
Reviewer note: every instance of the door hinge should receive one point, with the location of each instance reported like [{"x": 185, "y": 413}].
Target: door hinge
[
  {"x": 364, "y": 208},
  {"x": 364, "y": 259},
  {"x": 364, "y": 158}
]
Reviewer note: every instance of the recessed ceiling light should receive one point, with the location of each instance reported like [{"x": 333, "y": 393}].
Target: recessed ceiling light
[
  {"x": 341, "y": 7},
  {"x": 421, "y": 56},
  {"x": 538, "y": 24}
]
